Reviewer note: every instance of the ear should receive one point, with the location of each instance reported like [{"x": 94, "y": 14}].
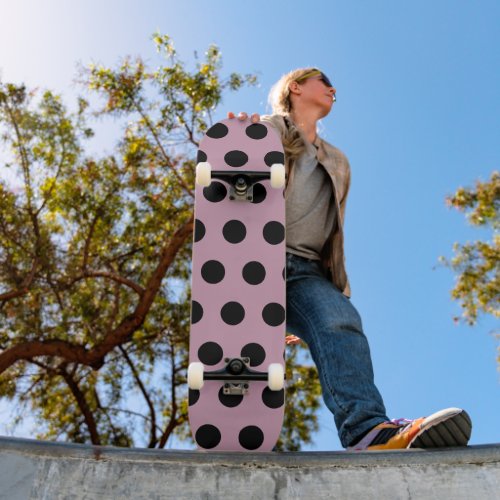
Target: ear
[{"x": 294, "y": 87}]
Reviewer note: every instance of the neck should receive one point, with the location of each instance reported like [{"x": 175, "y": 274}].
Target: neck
[{"x": 306, "y": 120}]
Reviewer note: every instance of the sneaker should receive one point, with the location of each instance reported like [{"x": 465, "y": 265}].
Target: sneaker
[{"x": 450, "y": 427}]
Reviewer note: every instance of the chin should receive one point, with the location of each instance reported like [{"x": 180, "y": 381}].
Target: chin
[{"x": 325, "y": 111}]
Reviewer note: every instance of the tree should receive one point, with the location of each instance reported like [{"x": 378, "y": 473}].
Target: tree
[
  {"x": 477, "y": 264},
  {"x": 95, "y": 255}
]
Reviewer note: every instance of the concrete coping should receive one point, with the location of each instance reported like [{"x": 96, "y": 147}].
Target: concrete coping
[{"x": 477, "y": 454}]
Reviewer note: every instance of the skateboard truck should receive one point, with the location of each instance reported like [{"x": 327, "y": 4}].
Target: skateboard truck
[
  {"x": 236, "y": 375},
  {"x": 241, "y": 183}
]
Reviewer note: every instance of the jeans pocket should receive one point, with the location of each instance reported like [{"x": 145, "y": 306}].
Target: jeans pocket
[{"x": 290, "y": 265}]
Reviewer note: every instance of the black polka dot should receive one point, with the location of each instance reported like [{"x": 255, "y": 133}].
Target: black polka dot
[
  {"x": 273, "y": 399},
  {"x": 254, "y": 273},
  {"x": 274, "y": 157},
  {"x": 255, "y": 352},
  {"x": 215, "y": 192},
  {"x": 218, "y": 131},
  {"x": 232, "y": 313},
  {"x": 230, "y": 401},
  {"x": 213, "y": 271},
  {"x": 210, "y": 353},
  {"x": 259, "y": 193},
  {"x": 234, "y": 231},
  {"x": 251, "y": 437},
  {"x": 193, "y": 396},
  {"x": 196, "y": 312},
  {"x": 256, "y": 131},
  {"x": 236, "y": 158},
  {"x": 284, "y": 273},
  {"x": 274, "y": 232},
  {"x": 199, "y": 230},
  {"x": 201, "y": 156},
  {"x": 273, "y": 314},
  {"x": 208, "y": 436}
]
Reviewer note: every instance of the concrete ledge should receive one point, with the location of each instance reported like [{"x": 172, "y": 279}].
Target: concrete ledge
[{"x": 37, "y": 469}]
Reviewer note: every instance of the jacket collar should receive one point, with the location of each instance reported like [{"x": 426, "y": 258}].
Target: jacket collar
[{"x": 327, "y": 160}]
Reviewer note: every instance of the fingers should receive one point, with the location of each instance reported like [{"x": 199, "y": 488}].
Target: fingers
[
  {"x": 292, "y": 340},
  {"x": 244, "y": 116}
]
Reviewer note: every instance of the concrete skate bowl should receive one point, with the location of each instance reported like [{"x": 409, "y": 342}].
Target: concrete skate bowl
[{"x": 31, "y": 469}]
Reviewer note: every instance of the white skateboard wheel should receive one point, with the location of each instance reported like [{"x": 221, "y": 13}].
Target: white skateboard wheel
[
  {"x": 277, "y": 175},
  {"x": 195, "y": 375},
  {"x": 275, "y": 377},
  {"x": 203, "y": 173}
]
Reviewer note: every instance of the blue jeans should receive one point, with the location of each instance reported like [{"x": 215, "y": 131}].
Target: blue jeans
[{"x": 325, "y": 319}]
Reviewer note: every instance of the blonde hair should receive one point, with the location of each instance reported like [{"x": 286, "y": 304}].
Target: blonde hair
[
  {"x": 281, "y": 104},
  {"x": 279, "y": 96}
]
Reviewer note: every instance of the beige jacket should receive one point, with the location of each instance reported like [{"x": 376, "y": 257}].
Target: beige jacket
[{"x": 337, "y": 166}]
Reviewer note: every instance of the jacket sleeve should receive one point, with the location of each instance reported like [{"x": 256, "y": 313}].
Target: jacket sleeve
[
  {"x": 347, "y": 291},
  {"x": 347, "y": 185}
]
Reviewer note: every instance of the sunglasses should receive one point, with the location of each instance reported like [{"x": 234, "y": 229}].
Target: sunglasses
[{"x": 316, "y": 72}]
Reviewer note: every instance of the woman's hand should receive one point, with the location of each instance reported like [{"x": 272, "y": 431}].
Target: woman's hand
[
  {"x": 243, "y": 116},
  {"x": 292, "y": 340}
]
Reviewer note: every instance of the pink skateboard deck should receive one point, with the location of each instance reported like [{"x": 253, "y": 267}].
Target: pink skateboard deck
[{"x": 238, "y": 290}]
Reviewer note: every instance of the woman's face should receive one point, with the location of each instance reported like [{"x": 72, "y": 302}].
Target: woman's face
[{"x": 316, "y": 92}]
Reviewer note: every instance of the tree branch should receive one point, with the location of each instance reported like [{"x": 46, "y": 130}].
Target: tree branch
[
  {"x": 153, "y": 440},
  {"x": 121, "y": 334},
  {"x": 82, "y": 404},
  {"x": 93, "y": 224},
  {"x": 51, "y": 189},
  {"x": 173, "y": 422},
  {"x": 24, "y": 288},
  {"x": 160, "y": 146},
  {"x": 27, "y": 177},
  {"x": 114, "y": 277},
  {"x": 11, "y": 239}
]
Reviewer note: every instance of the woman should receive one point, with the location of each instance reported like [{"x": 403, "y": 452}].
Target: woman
[{"x": 319, "y": 310}]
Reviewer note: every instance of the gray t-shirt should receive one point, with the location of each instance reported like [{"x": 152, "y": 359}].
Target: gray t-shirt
[{"x": 310, "y": 207}]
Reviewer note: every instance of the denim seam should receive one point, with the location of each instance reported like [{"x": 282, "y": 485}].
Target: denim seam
[{"x": 332, "y": 392}]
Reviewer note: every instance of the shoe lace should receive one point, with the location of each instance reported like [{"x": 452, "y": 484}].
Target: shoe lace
[
  {"x": 401, "y": 421},
  {"x": 404, "y": 423}
]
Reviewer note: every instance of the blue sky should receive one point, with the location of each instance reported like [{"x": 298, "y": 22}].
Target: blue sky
[{"x": 418, "y": 115}]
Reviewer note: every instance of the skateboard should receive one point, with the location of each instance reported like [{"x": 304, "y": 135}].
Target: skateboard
[{"x": 237, "y": 335}]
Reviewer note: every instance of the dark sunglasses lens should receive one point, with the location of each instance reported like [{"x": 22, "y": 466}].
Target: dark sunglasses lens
[{"x": 326, "y": 80}]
